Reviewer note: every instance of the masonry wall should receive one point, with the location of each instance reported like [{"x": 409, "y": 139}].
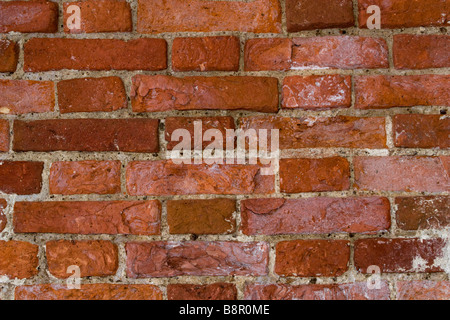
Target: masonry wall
[{"x": 85, "y": 122}]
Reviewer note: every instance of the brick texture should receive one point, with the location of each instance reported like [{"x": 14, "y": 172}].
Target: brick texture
[
  {"x": 215, "y": 291},
  {"x": 4, "y": 135},
  {"x": 19, "y": 259},
  {"x": 28, "y": 16},
  {"x": 3, "y": 220},
  {"x": 9, "y": 56},
  {"x": 21, "y": 177}
]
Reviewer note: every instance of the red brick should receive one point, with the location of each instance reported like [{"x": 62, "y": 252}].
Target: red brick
[
  {"x": 259, "y": 16},
  {"x": 314, "y": 175},
  {"x": 9, "y": 56},
  {"x": 165, "y": 93},
  {"x": 4, "y": 135},
  {"x": 322, "y": 132},
  {"x": 421, "y": 131},
  {"x": 91, "y": 95},
  {"x": 21, "y": 177},
  {"x": 346, "y": 291},
  {"x": 318, "y": 14},
  {"x": 423, "y": 290},
  {"x": 24, "y": 96},
  {"x": 105, "y": 217},
  {"x": 127, "y": 135},
  {"x": 167, "y": 178},
  {"x": 419, "y": 213},
  {"x": 378, "y": 92},
  {"x": 341, "y": 52},
  {"x": 98, "y": 291},
  {"x": 317, "y": 92},
  {"x": 94, "y": 258},
  {"x": 172, "y": 259},
  {"x": 19, "y": 259},
  {"x": 207, "y": 123},
  {"x": 312, "y": 258},
  {"x": 3, "y": 220},
  {"x": 268, "y": 54},
  {"x": 85, "y": 177},
  {"x": 314, "y": 215},
  {"x": 95, "y": 54},
  {"x": 399, "y": 255},
  {"x": 210, "y": 216},
  {"x": 421, "y": 52},
  {"x": 28, "y": 16},
  {"x": 215, "y": 291},
  {"x": 404, "y": 13},
  {"x": 420, "y": 174},
  {"x": 101, "y": 16},
  {"x": 206, "y": 54}
]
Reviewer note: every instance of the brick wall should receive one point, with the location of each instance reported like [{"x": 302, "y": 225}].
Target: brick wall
[{"x": 86, "y": 117}]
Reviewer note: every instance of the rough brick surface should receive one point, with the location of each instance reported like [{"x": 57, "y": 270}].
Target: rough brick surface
[
  {"x": 95, "y": 54},
  {"x": 213, "y": 216},
  {"x": 98, "y": 291},
  {"x": 312, "y": 258},
  {"x": 206, "y": 54},
  {"x": 9, "y": 56},
  {"x": 19, "y": 259},
  {"x": 3, "y": 219},
  {"x": 4, "y": 135},
  {"x": 100, "y": 16},
  {"x": 423, "y": 290},
  {"x": 314, "y": 215},
  {"x": 418, "y": 213},
  {"x": 215, "y": 291},
  {"x": 85, "y": 177},
  {"x": 318, "y": 14},
  {"x": 94, "y": 258},
  {"x": 171, "y": 259},
  {"x": 259, "y": 16},
  {"x": 268, "y": 54},
  {"x": 103, "y": 217},
  {"x": 24, "y": 96},
  {"x": 21, "y": 177},
  {"x": 165, "y": 93},
  {"x": 28, "y": 16},
  {"x": 129, "y": 135},
  {"x": 314, "y": 175},
  {"x": 91, "y": 95}
]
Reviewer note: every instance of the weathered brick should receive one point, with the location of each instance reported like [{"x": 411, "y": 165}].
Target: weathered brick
[
  {"x": 420, "y": 174},
  {"x": 318, "y": 14},
  {"x": 94, "y": 258},
  {"x": 90, "y": 217},
  {"x": 3, "y": 219},
  {"x": 4, "y": 135},
  {"x": 91, "y": 95},
  {"x": 165, "y": 177},
  {"x": 21, "y": 177},
  {"x": 419, "y": 213},
  {"x": 421, "y": 131},
  {"x": 399, "y": 255},
  {"x": 421, "y": 52},
  {"x": 215, "y": 291},
  {"x": 101, "y": 16},
  {"x": 317, "y": 92},
  {"x": 314, "y": 175},
  {"x": 378, "y": 92},
  {"x": 85, "y": 177},
  {"x": 207, "y": 123},
  {"x": 211, "y": 216},
  {"x": 95, "y": 54},
  {"x": 346, "y": 291},
  {"x": 404, "y": 13},
  {"x": 423, "y": 290},
  {"x": 200, "y": 258},
  {"x": 98, "y": 291},
  {"x": 312, "y": 258},
  {"x": 271, "y": 54},
  {"x": 259, "y": 16},
  {"x": 9, "y": 56},
  {"x": 165, "y": 93},
  {"x": 322, "y": 132},
  {"x": 127, "y": 135},
  {"x": 341, "y": 52},
  {"x": 25, "y": 96},
  {"x": 19, "y": 259},
  {"x": 274, "y": 216},
  {"x": 28, "y": 16},
  {"x": 206, "y": 54}
]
